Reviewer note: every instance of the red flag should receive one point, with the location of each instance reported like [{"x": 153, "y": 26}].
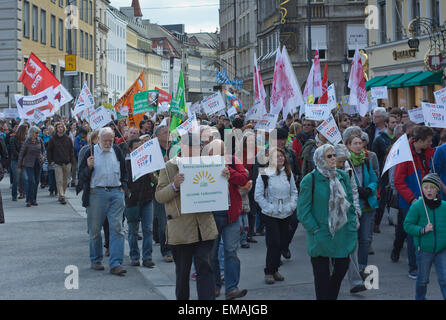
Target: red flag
[
  {"x": 324, "y": 98},
  {"x": 36, "y": 77},
  {"x": 164, "y": 96}
]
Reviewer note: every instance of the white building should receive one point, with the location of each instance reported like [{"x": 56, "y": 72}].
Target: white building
[
  {"x": 116, "y": 56},
  {"x": 101, "y": 29}
]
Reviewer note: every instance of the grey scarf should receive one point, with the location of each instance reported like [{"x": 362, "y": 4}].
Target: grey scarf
[{"x": 338, "y": 204}]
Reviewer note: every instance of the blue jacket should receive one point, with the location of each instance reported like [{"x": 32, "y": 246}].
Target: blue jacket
[
  {"x": 369, "y": 180},
  {"x": 440, "y": 165},
  {"x": 78, "y": 144}
]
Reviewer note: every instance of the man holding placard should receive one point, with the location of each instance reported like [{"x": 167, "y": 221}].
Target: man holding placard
[{"x": 191, "y": 236}]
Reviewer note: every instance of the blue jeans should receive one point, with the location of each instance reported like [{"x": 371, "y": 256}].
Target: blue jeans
[
  {"x": 230, "y": 233},
  {"x": 31, "y": 182},
  {"x": 51, "y": 180},
  {"x": 424, "y": 263},
  {"x": 15, "y": 179},
  {"x": 365, "y": 238},
  {"x": 145, "y": 215},
  {"x": 244, "y": 228},
  {"x": 110, "y": 204},
  {"x": 162, "y": 222}
]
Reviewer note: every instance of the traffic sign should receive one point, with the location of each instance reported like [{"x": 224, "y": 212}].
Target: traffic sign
[{"x": 70, "y": 62}]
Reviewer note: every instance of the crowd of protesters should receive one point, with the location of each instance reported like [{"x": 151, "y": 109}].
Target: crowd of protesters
[{"x": 292, "y": 174}]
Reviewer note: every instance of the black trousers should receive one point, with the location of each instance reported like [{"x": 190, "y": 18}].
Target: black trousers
[
  {"x": 200, "y": 252},
  {"x": 327, "y": 285},
  {"x": 252, "y": 214},
  {"x": 294, "y": 222},
  {"x": 276, "y": 238}
]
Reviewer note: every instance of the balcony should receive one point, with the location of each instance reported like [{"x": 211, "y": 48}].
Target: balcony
[{"x": 317, "y": 11}]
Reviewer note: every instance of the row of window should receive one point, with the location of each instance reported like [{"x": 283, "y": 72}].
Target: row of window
[
  {"x": 56, "y": 36},
  {"x": 86, "y": 11},
  {"x": 116, "y": 82},
  {"x": 116, "y": 55}
]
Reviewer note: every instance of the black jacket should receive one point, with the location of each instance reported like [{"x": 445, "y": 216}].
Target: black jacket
[
  {"x": 13, "y": 149},
  {"x": 85, "y": 175},
  {"x": 141, "y": 191},
  {"x": 60, "y": 149},
  {"x": 379, "y": 146}
]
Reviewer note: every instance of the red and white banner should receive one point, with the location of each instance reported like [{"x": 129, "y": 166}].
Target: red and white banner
[
  {"x": 358, "y": 92},
  {"x": 43, "y": 101},
  {"x": 317, "y": 76},
  {"x": 163, "y": 96},
  {"x": 259, "y": 89}
]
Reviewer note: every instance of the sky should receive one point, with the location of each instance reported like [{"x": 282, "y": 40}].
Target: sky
[{"x": 196, "y": 15}]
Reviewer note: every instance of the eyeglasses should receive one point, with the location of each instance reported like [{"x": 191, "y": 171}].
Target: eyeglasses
[
  {"x": 308, "y": 125},
  {"x": 329, "y": 156}
]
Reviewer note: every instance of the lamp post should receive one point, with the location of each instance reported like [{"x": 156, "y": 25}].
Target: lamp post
[{"x": 345, "y": 64}]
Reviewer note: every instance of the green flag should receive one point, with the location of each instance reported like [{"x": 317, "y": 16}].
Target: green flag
[{"x": 178, "y": 105}]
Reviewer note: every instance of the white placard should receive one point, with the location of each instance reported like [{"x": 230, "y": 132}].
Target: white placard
[
  {"x": 146, "y": 159},
  {"x": 330, "y": 130},
  {"x": 204, "y": 188},
  {"x": 416, "y": 115},
  {"x": 213, "y": 104},
  {"x": 379, "y": 92},
  {"x": 317, "y": 112},
  {"x": 331, "y": 92},
  {"x": 440, "y": 96},
  {"x": 124, "y": 111},
  {"x": 99, "y": 118},
  {"x": 434, "y": 115},
  {"x": 188, "y": 126},
  {"x": 268, "y": 123},
  {"x": 256, "y": 112},
  {"x": 232, "y": 111},
  {"x": 11, "y": 113}
]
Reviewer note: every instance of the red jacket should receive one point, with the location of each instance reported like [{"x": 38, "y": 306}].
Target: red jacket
[
  {"x": 297, "y": 147},
  {"x": 237, "y": 179},
  {"x": 405, "y": 178},
  {"x": 119, "y": 140}
]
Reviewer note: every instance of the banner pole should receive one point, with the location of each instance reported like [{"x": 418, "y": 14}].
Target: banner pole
[{"x": 421, "y": 190}]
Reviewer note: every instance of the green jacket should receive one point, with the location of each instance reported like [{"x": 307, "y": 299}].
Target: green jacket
[
  {"x": 434, "y": 241},
  {"x": 313, "y": 214}
]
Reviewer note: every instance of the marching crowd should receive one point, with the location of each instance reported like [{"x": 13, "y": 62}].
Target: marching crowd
[{"x": 276, "y": 180}]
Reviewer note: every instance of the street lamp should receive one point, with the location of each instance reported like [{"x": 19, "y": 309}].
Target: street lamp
[{"x": 345, "y": 64}]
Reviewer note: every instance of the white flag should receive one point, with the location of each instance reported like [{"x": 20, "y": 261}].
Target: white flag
[
  {"x": 358, "y": 92},
  {"x": 84, "y": 101},
  {"x": 399, "y": 153},
  {"x": 309, "y": 88}
]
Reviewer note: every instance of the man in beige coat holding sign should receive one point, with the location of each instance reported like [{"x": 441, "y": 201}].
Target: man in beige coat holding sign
[{"x": 190, "y": 235}]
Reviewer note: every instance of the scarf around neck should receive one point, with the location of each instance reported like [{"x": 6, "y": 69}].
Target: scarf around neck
[{"x": 357, "y": 159}]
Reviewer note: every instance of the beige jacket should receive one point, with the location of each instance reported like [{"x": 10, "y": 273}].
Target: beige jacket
[{"x": 182, "y": 228}]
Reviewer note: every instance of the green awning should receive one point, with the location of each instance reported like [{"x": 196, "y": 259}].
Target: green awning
[
  {"x": 426, "y": 78},
  {"x": 386, "y": 80},
  {"x": 401, "y": 81},
  {"x": 372, "y": 81}
]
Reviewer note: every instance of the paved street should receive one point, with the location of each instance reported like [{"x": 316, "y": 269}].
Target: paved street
[{"x": 37, "y": 243}]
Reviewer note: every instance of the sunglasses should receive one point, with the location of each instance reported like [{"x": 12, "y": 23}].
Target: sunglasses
[{"x": 329, "y": 156}]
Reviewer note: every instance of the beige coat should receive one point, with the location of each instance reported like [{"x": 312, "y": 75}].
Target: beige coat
[{"x": 182, "y": 229}]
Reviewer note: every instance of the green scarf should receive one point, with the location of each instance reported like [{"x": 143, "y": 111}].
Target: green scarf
[
  {"x": 357, "y": 159},
  {"x": 289, "y": 141}
]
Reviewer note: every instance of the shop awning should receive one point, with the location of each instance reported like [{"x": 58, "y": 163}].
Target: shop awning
[
  {"x": 369, "y": 83},
  {"x": 401, "y": 81},
  {"x": 426, "y": 78},
  {"x": 386, "y": 80}
]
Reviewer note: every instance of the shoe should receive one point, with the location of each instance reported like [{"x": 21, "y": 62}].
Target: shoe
[
  {"x": 14, "y": 199},
  {"x": 34, "y": 204},
  {"x": 168, "y": 258},
  {"x": 236, "y": 293},
  {"x": 63, "y": 201},
  {"x": 135, "y": 263},
  {"x": 269, "y": 279},
  {"x": 28, "y": 205},
  {"x": 251, "y": 240},
  {"x": 119, "y": 271},
  {"x": 148, "y": 263},
  {"x": 97, "y": 266},
  {"x": 364, "y": 275},
  {"x": 245, "y": 246},
  {"x": 107, "y": 252},
  {"x": 376, "y": 229},
  {"x": 22, "y": 196},
  {"x": 286, "y": 253},
  {"x": 358, "y": 288},
  {"x": 260, "y": 233},
  {"x": 413, "y": 274},
  {"x": 278, "y": 277},
  {"x": 371, "y": 251},
  {"x": 217, "y": 292},
  {"x": 194, "y": 276},
  {"x": 395, "y": 255}
]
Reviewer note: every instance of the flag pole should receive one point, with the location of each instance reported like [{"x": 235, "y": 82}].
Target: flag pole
[{"x": 421, "y": 190}]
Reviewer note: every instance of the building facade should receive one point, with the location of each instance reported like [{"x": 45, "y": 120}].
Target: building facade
[
  {"x": 337, "y": 29},
  {"x": 116, "y": 55},
  {"x": 391, "y": 61},
  {"x": 101, "y": 32}
]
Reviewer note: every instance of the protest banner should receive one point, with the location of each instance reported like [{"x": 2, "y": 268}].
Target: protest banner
[
  {"x": 257, "y": 111},
  {"x": 317, "y": 112},
  {"x": 330, "y": 130},
  {"x": 188, "y": 126},
  {"x": 331, "y": 93},
  {"x": 268, "y": 122},
  {"x": 440, "y": 96},
  {"x": 204, "y": 188},
  {"x": 163, "y": 107},
  {"x": 84, "y": 101},
  {"x": 434, "y": 115},
  {"x": 416, "y": 115},
  {"x": 38, "y": 116},
  {"x": 98, "y": 118},
  {"x": 11, "y": 113},
  {"x": 146, "y": 159},
  {"x": 127, "y": 100},
  {"x": 379, "y": 92},
  {"x": 44, "y": 101},
  {"x": 146, "y": 101},
  {"x": 163, "y": 96},
  {"x": 232, "y": 112},
  {"x": 213, "y": 104}
]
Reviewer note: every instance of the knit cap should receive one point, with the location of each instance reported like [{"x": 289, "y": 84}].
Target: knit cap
[{"x": 433, "y": 179}]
